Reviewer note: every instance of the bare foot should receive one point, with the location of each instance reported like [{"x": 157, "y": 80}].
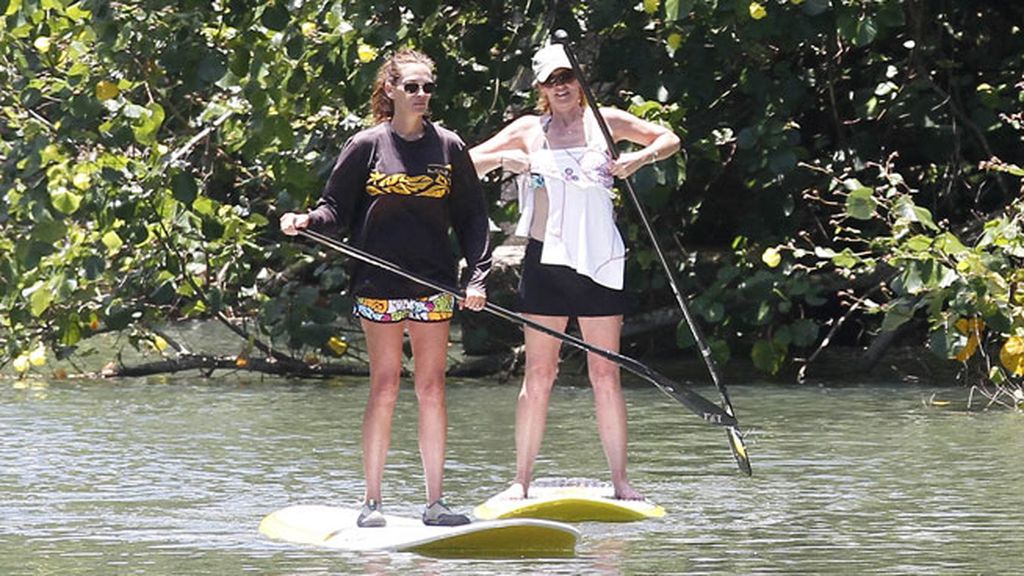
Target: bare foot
[
  {"x": 514, "y": 492},
  {"x": 626, "y": 492}
]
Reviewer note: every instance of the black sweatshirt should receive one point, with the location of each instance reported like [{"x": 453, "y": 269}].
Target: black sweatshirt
[{"x": 397, "y": 200}]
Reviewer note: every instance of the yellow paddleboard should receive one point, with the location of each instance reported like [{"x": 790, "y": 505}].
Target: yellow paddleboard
[
  {"x": 569, "y": 500},
  {"x": 334, "y": 527}
]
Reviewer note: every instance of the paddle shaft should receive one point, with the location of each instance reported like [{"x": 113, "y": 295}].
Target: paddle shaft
[
  {"x": 702, "y": 407},
  {"x": 734, "y": 435}
]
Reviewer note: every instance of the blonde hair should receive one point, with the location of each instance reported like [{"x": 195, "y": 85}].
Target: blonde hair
[
  {"x": 380, "y": 105},
  {"x": 544, "y": 107}
]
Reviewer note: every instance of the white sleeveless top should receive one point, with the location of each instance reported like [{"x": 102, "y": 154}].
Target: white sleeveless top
[{"x": 580, "y": 231}]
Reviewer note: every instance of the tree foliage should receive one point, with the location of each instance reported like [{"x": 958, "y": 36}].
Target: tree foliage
[{"x": 838, "y": 154}]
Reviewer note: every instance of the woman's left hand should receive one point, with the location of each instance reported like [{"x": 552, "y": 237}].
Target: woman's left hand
[
  {"x": 474, "y": 300},
  {"x": 628, "y": 163}
]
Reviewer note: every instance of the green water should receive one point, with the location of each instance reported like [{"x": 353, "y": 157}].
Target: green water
[{"x": 173, "y": 477}]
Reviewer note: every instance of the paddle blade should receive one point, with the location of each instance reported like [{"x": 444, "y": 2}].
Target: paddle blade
[{"x": 739, "y": 449}]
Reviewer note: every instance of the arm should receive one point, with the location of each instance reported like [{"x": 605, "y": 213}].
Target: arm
[
  {"x": 658, "y": 142},
  {"x": 507, "y": 149},
  {"x": 341, "y": 194},
  {"x": 469, "y": 219}
]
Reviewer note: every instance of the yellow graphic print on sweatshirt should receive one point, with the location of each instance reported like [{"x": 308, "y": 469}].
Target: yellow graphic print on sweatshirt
[{"x": 435, "y": 184}]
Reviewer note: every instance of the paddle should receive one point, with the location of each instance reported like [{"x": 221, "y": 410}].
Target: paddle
[
  {"x": 702, "y": 407},
  {"x": 739, "y": 449}
]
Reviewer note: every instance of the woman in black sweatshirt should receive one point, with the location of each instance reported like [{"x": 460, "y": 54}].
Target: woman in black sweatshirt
[{"x": 397, "y": 189}]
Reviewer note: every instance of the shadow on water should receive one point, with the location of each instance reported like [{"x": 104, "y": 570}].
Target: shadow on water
[{"x": 155, "y": 478}]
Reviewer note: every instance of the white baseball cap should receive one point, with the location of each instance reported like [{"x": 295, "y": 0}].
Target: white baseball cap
[{"x": 547, "y": 60}]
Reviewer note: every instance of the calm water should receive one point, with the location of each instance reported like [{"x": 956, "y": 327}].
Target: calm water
[{"x": 173, "y": 477}]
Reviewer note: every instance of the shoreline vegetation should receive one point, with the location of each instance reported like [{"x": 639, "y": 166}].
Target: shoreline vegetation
[{"x": 849, "y": 198}]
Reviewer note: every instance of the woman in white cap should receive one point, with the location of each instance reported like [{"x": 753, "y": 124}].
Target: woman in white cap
[{"x": 575, "y": 258}]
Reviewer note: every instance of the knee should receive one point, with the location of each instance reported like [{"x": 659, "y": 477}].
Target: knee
[
  {"x": 604, "y": 376},
  {"x": 540, "y": 374},
  {"x": 430, "y": 389},
  {"x": 384, "y": 389}
]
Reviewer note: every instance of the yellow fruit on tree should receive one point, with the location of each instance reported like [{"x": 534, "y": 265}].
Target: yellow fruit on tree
[
  {"x": 970, "y": 325},
  {"x": 1012, "y": 355},
  {"x": 106, "y": 90},
  {"x": 366, "y": 53},
  {"x": 160, "y": 344},
  {"x": 968, "y": 350},
  {"x": 337, "y": 345},
  {"x": 757, "y": 11},
  {"x": 771, "y": 257},
  {"x": 38, "y": 356},
  {"x": 21, "y": 363}
]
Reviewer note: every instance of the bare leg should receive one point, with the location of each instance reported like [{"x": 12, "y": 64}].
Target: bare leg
[
  {"x": 532, "y": 406},
  {"x": 609, "y": 404},
  {"x": 430, "y": 354},
  {"x": 384, "y": 345}
]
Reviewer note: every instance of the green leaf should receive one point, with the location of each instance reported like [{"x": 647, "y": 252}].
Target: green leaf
[
  {"x": 945, "y": 343},
  {"x": 845, "y": 259},
  {"x": 919, "y": 243},
  {"x": 713, "y": 312},
  {"x": 804, "y": 332},
  {"x": 897, "y": 313},
  {"x": 684, "y": 336},
  {"x": 867, "y": 30},
  {"x": 203, "y": 205},
  {"x": 66, "y": 201},
  {"x": 49, "y": 231},
  {"x": 815, "y": 7},
  {"x": 860, "y": 204},
  {"x": 782, "y": 162},
  {"x": 768, "y": 357},
  {"x": 39, "y": 298},
  {"x": 148, "y": 124},
  {"x": 906, "y": 210},
  {"x": 112, "y": 241},
  {"x": 678, "y": 9},
  {"x": 212, "y": 67},
  {"x": 184, "y": 187},
  {"x": 275, "y": 17}
]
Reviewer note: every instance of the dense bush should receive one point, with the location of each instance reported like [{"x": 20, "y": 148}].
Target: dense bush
[{"x": 838, "y": 154}]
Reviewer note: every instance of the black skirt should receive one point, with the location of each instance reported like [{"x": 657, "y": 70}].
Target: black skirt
[{"x": 552, "y": 290}]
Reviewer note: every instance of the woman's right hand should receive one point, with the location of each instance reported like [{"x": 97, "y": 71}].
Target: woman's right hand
[
  {"x": 515, "y": 161},
  {"x": 291, "y": 223}
]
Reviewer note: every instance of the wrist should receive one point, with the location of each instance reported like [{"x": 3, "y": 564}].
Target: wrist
[{"x": 652, "y": 157}]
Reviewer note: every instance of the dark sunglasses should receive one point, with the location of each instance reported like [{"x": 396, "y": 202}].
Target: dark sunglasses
[
  {"x": 414, "y": 87},
  {"x": 563, "y": 77}
]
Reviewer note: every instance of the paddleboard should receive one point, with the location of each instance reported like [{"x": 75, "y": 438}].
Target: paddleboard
[
  {"x": 335, "y": 527},
  {"x": 569, "y": 500}
]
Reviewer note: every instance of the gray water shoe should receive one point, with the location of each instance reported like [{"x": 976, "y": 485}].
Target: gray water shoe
[
  {"x": 371, "y": 516},
  {"x": 439, "y": 514}
]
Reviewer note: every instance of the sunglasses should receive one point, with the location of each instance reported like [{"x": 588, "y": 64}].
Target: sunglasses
[
  {"x": 414, "y": 87},
  {"x": 563, "y": 77}
]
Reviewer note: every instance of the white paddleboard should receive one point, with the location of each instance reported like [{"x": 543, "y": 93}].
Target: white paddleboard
[
  {"x": 334, "y": 527},
  {"x": 569, "y": 500}
]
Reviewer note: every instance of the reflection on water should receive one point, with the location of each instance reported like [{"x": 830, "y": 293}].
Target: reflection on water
[{"x": 141, "y": 477}]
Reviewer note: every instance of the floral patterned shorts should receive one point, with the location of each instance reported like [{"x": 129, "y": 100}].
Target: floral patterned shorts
[{"x": 436, "y": 308}]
